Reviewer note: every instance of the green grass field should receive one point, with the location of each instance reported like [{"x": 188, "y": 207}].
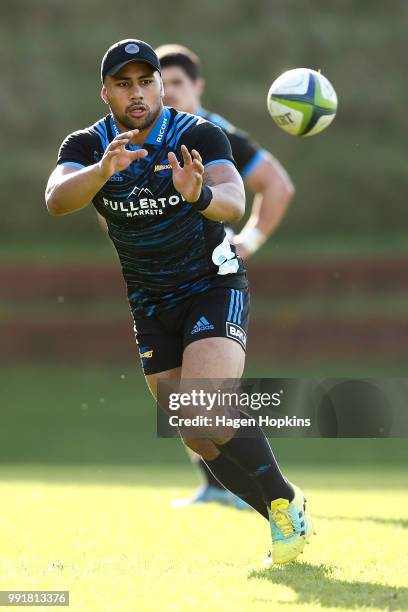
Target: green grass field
[
  {"x": 120, "y": 546},
  {"x": 86, "y": 489}
]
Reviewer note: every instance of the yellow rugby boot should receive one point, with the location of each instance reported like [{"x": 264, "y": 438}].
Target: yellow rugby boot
[{"x": 290, "y": 526}]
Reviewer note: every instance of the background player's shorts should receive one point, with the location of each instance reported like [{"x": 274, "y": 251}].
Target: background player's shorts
[{"x": 219, "y": 312}]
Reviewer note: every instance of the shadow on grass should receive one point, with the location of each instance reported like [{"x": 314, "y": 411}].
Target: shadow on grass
[
  {"x": 392, "y": 522},
  {"x": 314, "y": 584}
]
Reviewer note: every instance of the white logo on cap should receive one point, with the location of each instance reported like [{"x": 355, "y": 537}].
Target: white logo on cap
[{"x": 132, "y": 48}]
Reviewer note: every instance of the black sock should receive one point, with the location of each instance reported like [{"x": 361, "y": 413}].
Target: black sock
[
  {"x": 238, "y": 482},
  {"x": 255, "y": 457},
  {"x": 209, "y": 478}
]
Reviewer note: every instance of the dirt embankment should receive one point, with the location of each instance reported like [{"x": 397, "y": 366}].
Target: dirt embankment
[{"x": 87, "y": 338}]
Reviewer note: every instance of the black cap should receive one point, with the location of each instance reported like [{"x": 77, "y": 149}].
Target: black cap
[{"x": 125, "y": 51}]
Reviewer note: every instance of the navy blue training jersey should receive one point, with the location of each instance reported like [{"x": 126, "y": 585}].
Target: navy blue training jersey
[{"x": 168, "y": 250}]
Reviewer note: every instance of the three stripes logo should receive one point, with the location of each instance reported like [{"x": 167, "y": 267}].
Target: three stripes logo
[
  {"x": 236, "y": 308},
  {"x": 202, "y": 325}
]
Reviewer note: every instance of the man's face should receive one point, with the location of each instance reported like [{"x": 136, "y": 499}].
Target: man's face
[
  {"x": 134, "y": 95},
  {"x": 180, "y": 91}
]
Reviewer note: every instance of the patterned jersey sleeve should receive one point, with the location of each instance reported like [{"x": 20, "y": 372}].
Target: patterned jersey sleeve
[
  {"x": 78, "y": 150},
  {"x": 247, "y": 153},
  {"x": 211, "y": 142}
]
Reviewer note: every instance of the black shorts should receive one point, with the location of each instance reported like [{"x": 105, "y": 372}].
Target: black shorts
[{"x": 218, "y": 312}]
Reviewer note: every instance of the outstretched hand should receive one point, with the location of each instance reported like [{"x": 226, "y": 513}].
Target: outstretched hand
[
  {"x": 117, "y": 158},
  {"x": 188, "y": 179}
]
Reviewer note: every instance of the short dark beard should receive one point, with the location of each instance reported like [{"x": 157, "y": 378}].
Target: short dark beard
[{"x": 139, "y": 125}]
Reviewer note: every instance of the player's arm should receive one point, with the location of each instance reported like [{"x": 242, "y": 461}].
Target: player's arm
[
  {"x": 228, "y": 193},
  {"x": 273, "y": 191},
  {"x": 70, "y": 189}
]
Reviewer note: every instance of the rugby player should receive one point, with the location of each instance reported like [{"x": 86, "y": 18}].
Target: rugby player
[
  {"x": 262, "y": 174},
  {"x": 165, "y": 181}
]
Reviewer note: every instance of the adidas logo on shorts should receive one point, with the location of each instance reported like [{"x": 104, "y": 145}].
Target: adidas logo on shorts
[{"x": 202, "y": 325}]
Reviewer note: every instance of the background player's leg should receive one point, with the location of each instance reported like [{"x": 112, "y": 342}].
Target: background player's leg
[{"x": 225, "y": 358}]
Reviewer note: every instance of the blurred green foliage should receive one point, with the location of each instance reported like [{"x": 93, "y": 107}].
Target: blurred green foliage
[{"x": 351, "y": 180}]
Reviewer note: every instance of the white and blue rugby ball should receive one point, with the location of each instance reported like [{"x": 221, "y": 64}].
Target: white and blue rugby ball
[{"x": 302, "y": 102}]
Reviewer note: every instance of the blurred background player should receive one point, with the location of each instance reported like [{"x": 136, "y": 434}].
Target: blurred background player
[{"x": 263, "y": 175}]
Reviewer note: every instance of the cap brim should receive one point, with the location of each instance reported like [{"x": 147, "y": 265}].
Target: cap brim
[{"x": 116, "y": 68}]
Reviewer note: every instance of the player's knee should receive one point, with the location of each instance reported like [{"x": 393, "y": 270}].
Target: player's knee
[
  {"x": 203, "y": 447},
  {"x": 222, "y": 439}
]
